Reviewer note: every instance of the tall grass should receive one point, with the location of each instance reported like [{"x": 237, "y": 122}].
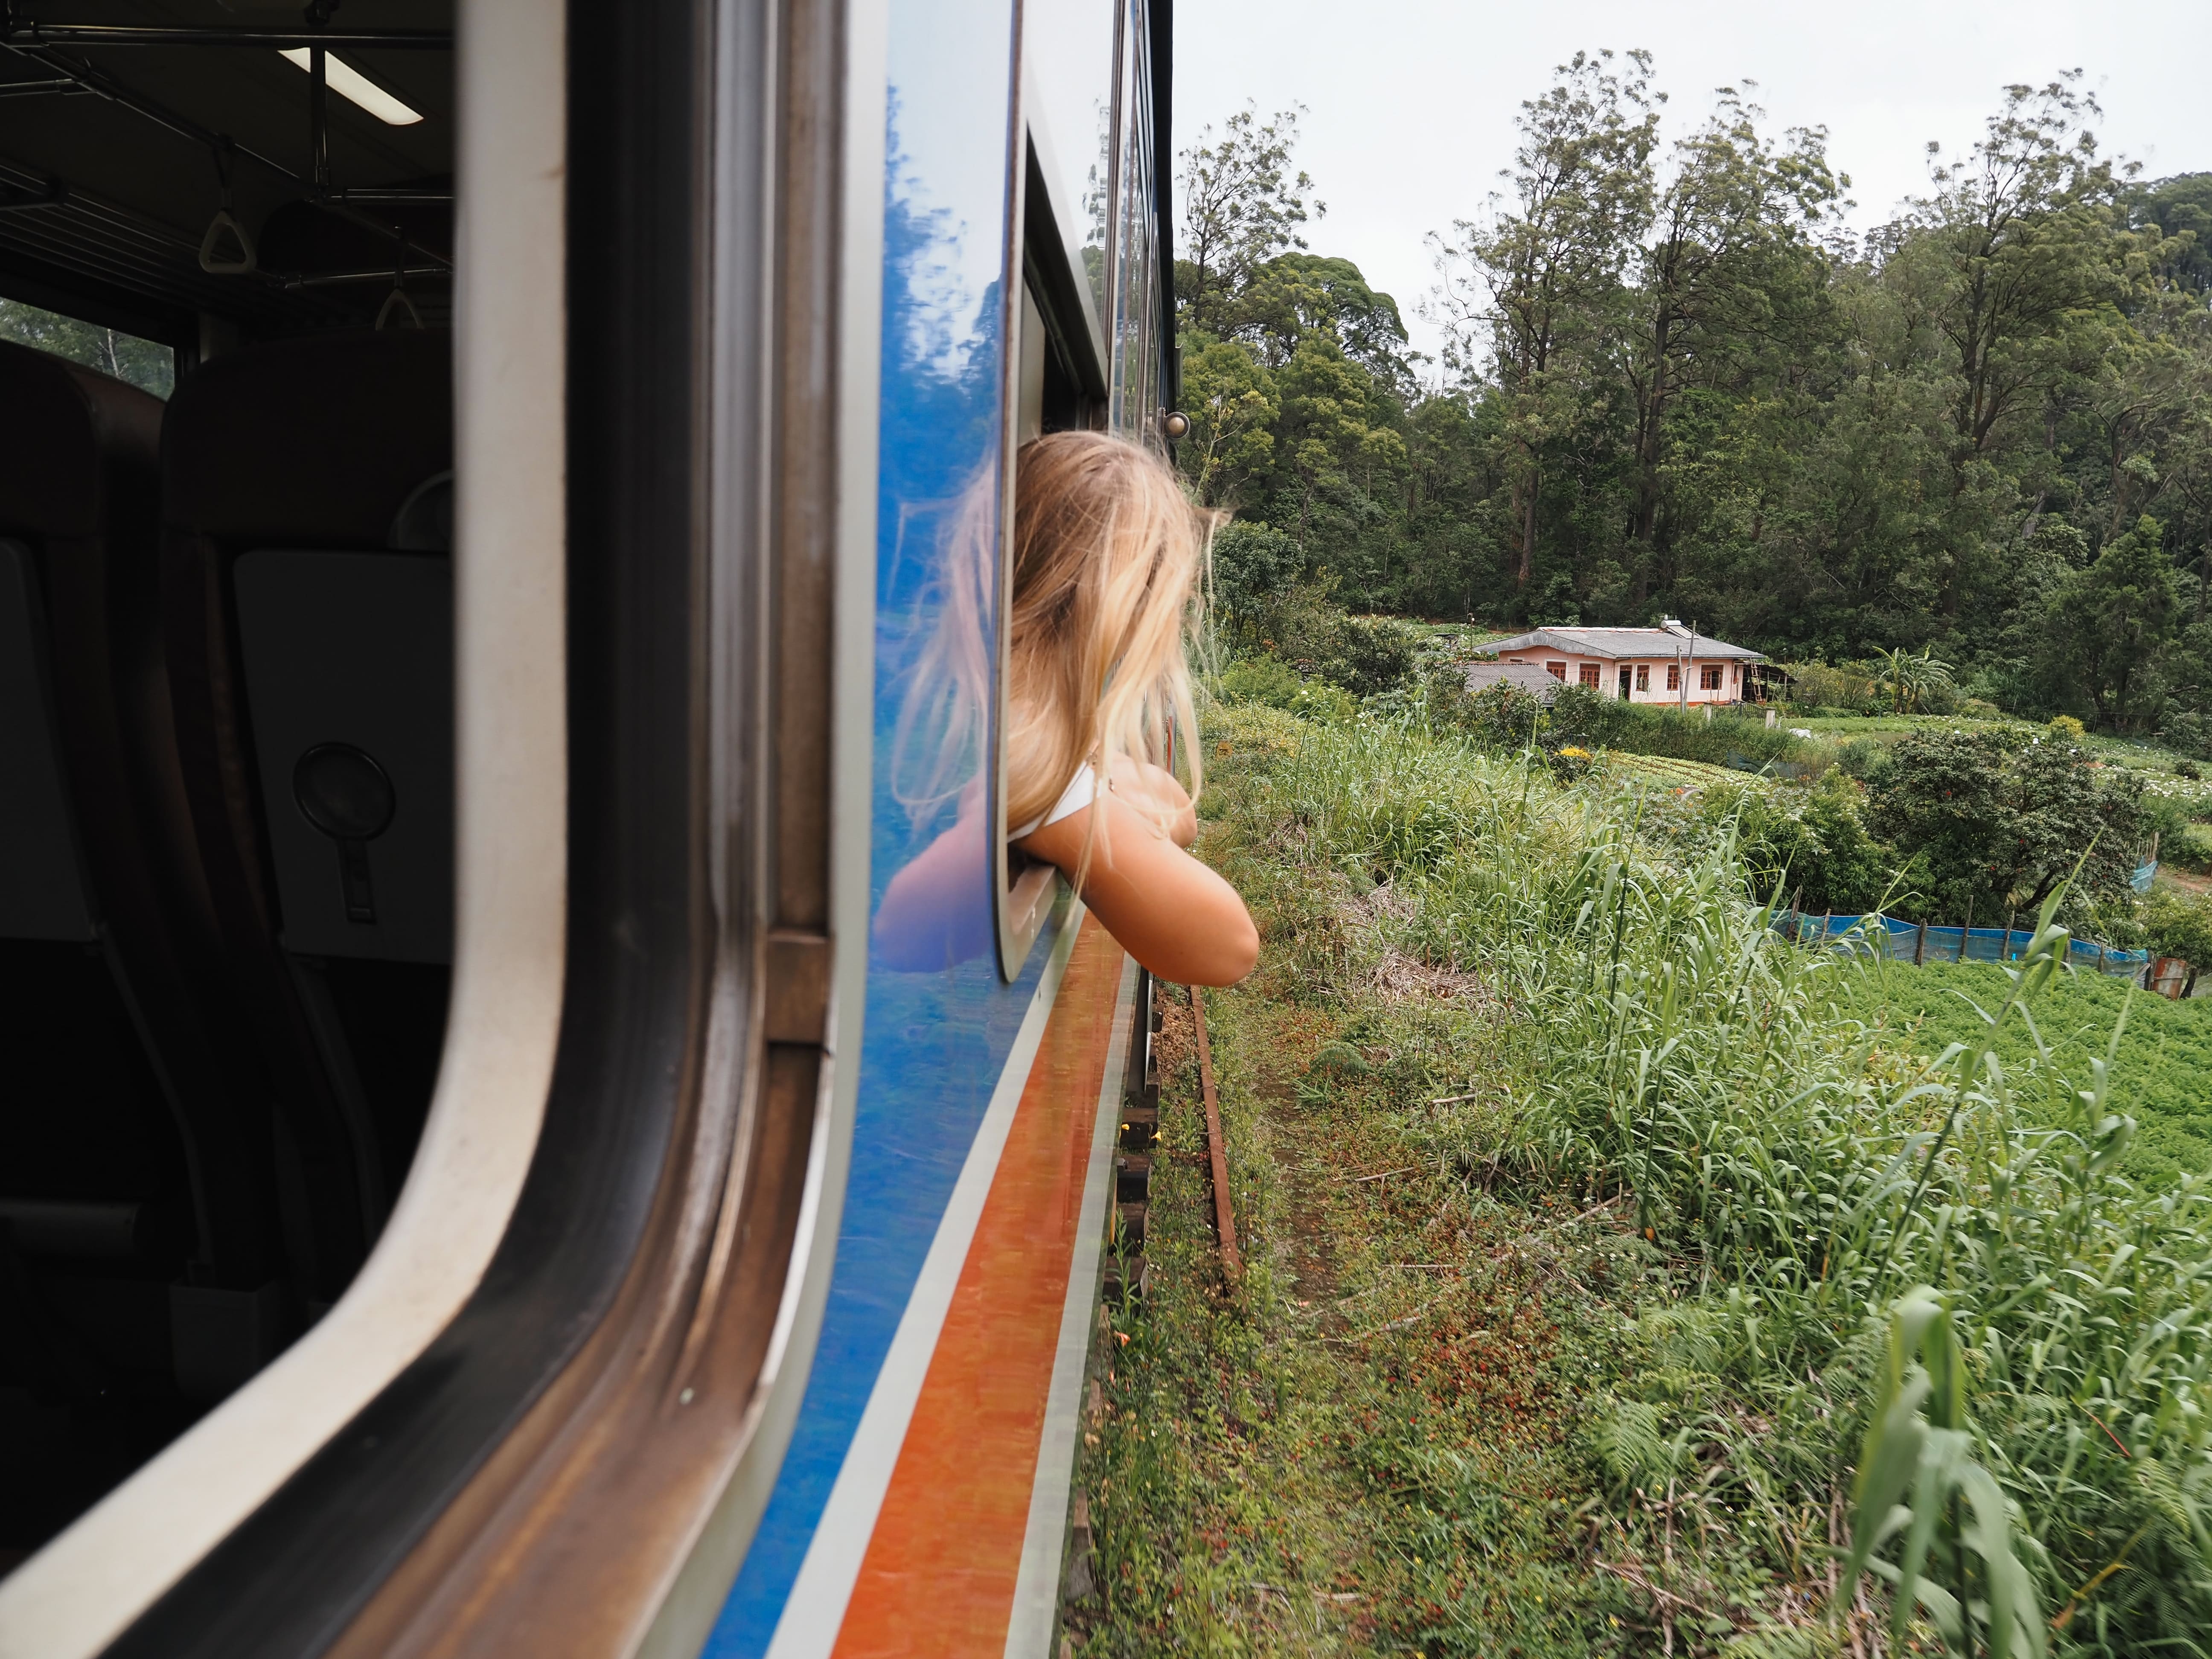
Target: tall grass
[{"x": 1700, "y": 1073}]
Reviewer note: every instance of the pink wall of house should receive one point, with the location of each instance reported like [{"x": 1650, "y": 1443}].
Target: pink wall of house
[{"x": 1647, "y": 681}]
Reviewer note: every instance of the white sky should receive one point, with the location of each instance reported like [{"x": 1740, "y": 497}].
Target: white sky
[{"x": 1412, "y": 101}]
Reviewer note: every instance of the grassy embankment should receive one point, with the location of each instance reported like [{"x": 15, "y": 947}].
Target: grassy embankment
[{"x": 1573, "y": 1200}]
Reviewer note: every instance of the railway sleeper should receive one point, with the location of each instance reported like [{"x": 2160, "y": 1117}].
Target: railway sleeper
[{"x": 1133, "y": 1177}]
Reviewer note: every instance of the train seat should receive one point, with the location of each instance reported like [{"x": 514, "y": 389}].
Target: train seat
[
  {"x": 306, "y": 508},
  {"x": 136, "y": 1213}
]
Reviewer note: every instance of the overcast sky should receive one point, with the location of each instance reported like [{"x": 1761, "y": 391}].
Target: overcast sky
[{"x": 1412, "y": 101}]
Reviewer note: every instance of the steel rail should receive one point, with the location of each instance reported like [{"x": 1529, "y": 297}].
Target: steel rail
[{"x": 1224, "y": 1220}]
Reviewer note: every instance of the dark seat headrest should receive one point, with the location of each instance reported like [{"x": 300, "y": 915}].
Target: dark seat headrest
[
  {"x": 71, "y": 438},
  {"x": 309, "y": 442}
]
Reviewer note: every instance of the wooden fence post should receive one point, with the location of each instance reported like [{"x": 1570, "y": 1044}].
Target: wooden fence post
[
  {"x": 1920, "y": 943},
  {"x": 1967, "y": 929}
]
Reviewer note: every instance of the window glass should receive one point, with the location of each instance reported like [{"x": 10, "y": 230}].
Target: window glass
[
  {"x": 1134, "y": 253},
  {"x": 146, "y": 364},
  {"x": 1069, "y": 49}
]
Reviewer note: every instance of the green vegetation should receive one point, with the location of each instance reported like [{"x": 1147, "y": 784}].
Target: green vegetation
[
  {"x": 145, "y": 364},
  {"x": 1967, "y": 458},
  {"x": 1601, "y": 1240},
  {"x": 2164, "y": 1060}
]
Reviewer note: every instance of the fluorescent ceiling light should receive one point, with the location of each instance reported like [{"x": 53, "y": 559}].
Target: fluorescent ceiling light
[{"x": 350, "y": 82}]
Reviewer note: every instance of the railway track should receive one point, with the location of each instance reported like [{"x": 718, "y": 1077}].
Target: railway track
[{"x": 1138, "y": 1149}]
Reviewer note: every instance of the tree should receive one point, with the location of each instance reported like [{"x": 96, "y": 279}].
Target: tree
[
  {"x": 1526, "y": 291},
  {"x": 1242, "y": 206},
  {"x": 2014, "y": 261},
  {"x": 1296, "y": 296},
  {"x": 1335, "y": 426},
  {"x": 2108, "y": 627},
  {"x": 1999, "y": 826},
  {"x": 1729, "y": 220},
  {"x": 1232, "y": 401},
  {"x": 1910, "y": 679},
  {"x": 2181, "y": 208}
]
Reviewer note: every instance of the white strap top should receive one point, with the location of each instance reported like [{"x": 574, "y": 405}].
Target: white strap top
[{"x": 1080, "y": 791}]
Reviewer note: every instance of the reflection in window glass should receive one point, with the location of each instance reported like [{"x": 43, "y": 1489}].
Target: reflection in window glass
[
  {"x": 1070, "y": 52},
  {"x": 1135, "y": 255},
  {"x": 146, "y": 364}
]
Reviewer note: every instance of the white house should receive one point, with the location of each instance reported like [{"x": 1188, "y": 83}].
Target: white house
[{"x": 1669, "y": 663}]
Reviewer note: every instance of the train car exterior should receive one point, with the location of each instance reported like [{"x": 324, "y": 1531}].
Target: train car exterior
[{"x": 738, "y": 1277}]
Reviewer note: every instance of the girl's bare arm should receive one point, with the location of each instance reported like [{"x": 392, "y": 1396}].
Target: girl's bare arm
[
  {"x": 1176, "y": 916},
  {"x": 1157, "y": 793}
]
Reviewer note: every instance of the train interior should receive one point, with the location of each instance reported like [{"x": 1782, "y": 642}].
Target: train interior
[{"x": 225, "y": 695}]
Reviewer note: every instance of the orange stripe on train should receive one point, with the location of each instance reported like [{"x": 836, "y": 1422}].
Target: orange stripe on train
[{"x": 938, "y": 1576}]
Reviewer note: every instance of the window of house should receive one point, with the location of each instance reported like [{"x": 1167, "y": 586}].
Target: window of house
[
  {"x": 1673, "y": 677},
  {"x": 1557, "y": 671},
  {"x": 1709, "y": 678},
  {"x": 1644, "y": 677},
  {"x": 1589, "y": 675}
]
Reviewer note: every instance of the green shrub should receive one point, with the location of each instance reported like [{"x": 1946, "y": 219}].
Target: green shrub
[
  {"x": 2002, "y": 825},
  {"x": 1365, "y": 655},
  {"x": 2188, "y": 846},
  {"x": 1861, "y": 758},
  {"x": 1262, "y": 679},
  {"x": 1813, "y": 844},
  {"x": 2177, "y": 925},
  {"x": 1376, "y": 654},
  {"x": 1272, "y": 683},
  {"x": 1814, "y": 684}
]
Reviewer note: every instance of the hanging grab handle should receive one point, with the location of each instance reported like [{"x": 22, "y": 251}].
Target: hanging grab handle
[
  {"x": 211, "y": 260},
  {"x": 398, "y": 299}
]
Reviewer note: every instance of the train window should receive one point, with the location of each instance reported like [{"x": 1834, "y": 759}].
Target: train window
[
  {"x": 1135, "y": 252},
  {"x": 226, "y": 489},
  {"x": 1068, "y": 93},
  {"x": 1057, "y": 384},
  {"x": 147, "y": 364}
]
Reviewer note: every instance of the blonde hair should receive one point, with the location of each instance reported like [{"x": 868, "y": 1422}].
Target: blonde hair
[{"x": 1107, "y": 552}]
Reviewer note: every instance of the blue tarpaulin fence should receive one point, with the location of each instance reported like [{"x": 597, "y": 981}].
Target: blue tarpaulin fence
[{"x": 1903, "y": 941}]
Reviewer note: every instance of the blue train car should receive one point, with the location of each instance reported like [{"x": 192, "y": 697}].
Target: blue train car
[{"x": 502, "y": 542}]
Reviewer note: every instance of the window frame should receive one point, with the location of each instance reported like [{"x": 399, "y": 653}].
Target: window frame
[{"x": 1045, "y": 287}]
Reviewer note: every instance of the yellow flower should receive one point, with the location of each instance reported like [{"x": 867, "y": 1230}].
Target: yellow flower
[{"x": 1578, "y": 754}]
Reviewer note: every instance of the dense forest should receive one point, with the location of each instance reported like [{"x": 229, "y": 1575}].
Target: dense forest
[{"x": 1677, "y": 383}]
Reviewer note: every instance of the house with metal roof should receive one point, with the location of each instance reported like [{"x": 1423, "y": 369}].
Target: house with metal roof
[
  {"x": 1669, "y": 663},
  {"x": 1522, "y": 676}
]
